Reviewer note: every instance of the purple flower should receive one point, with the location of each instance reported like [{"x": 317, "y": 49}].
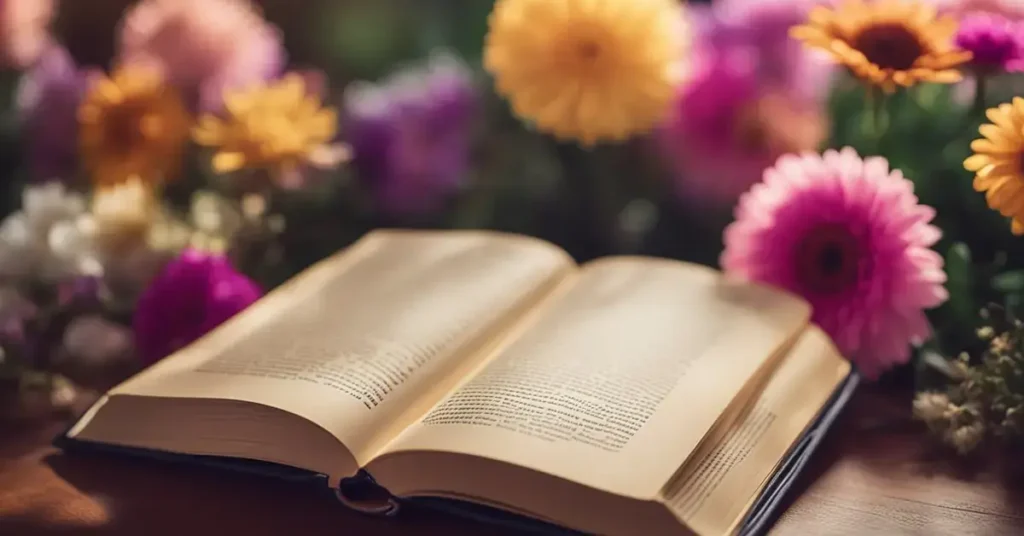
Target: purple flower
[
  {"x": 48, "y": 100},
  {"x": 194, "y": 294},
  {"x": 410, "y": 134},
  {"x": 996, "y": 42},
  {"x": 760, "y": 30}
]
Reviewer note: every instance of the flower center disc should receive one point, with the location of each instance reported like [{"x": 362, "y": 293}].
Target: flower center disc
[
  {"x": 828, "y": 259},
  {"x": 890, "y": 46},
  {"x": 124, "y": 129},
  {"x": 588, "y": 50},
  {"x": 751, "y": 132}
]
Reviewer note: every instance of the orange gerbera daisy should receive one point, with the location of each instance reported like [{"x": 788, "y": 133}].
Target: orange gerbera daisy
[
  {"x": 998, "y": 162},
  {"x": 888, "y": 43}
]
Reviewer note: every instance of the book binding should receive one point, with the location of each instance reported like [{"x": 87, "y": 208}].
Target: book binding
[{"x": 362, "y": 494}]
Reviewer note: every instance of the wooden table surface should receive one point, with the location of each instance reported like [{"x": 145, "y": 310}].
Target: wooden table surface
[{"x": 876, "y": 474}]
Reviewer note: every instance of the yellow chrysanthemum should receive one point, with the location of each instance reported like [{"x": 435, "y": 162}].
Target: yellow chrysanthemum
[
  {"x": 887, "y": 43},
  {"x": 584, "y": 69},
  {"x": 132, "y": 124},
  {"x": 279, "y": 127},
  {"x": 998, "y": 162}
]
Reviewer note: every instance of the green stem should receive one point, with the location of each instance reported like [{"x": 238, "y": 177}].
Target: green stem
[
  {"x": 874, "y": 121},
  {"x": 591, "y": 200},
  {"x": 980, "y": 91},
  {"x": 879, "y": 115}
]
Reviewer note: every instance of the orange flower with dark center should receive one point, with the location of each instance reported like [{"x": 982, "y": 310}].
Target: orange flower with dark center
[
  {"x": 888, "y": 43},
  {"x": 132, "y": 126}
]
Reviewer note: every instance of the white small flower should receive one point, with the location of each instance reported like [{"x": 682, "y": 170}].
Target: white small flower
[
  {"x": 47, "y": 204},
  {"x": 46, "y": 239},
  {"x": 96, "y": 341},
  {"x": 214, "y": 215},
  {"x": 966, "y": 438},
  {"x": 20, "y": 250},
  {"x": 931, "y": 407}
]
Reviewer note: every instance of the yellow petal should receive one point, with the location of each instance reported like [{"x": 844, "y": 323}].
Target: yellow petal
[
  {"x": 982, "y": 184},
  {"x": 209, "y": 131},
  {"x": 943, "y": 77},
  {"x": 989, "y": 147},
  {"x": 329, "y": 156},
  {"x": 998, "y": 194},
  {"x": 228, "y": 161},
  {"x": 108, "y": 91},
  {"x": 976, "y": 162},
  {"x": 1018, "y": 105},
  {"x": 1000, "y": 168},
  {"x": 1000, "y": 136}
]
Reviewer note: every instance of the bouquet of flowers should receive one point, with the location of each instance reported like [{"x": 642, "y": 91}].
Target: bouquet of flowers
[{"x": 867, "y": 155}]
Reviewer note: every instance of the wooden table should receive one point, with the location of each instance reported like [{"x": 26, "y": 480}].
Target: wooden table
[{"x": 876, "y": 475}]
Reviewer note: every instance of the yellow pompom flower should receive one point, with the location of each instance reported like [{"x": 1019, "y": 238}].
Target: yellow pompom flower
[
  {"x": 584, "y": 69},
  {"x": 123, "y": 214},
  {"x": 998, "y": 162},
  {"x": 279, "y": 128},
  {"x": 132, "y": 124},
  {"x": 887, "y": 43}
]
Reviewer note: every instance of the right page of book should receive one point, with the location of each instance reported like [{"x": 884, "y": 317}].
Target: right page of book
[
  {"x": 717, "y": 486},
  {"x": 619, "y": 380}
]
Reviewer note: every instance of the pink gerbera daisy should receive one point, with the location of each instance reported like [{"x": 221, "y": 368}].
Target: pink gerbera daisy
[{"x": 850, "y": 237}]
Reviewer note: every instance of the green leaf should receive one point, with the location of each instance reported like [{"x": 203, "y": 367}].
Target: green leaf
[
  {"x": 956, "y": 320},
  {"x": 1009, "y": 282}
]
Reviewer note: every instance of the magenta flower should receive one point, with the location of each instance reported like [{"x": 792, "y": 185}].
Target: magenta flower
[
  {"x": 1011, "y": 9},
  {"x": 410, "y": 134},
  {"x": 203, "y": 46},
  {"x": 759, "y": 29},
  {"x": 754, "y": 94},
  {"x": 194, "y": 294},
  {"x": 996, "y": 42},
  {"x": 24, "y": 30},
  {"x": 850, "y": 237},
  {"x": 727, "y": 128}
]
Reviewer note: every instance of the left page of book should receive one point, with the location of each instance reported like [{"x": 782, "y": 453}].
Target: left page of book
[{"x": 359, "y": 341}]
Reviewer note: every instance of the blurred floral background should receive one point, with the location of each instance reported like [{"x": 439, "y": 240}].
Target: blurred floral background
[{"x": 167, "y": 162}]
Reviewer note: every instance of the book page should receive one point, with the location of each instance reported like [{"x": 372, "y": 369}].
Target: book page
[
  {"x": 365, "y": 341},
  {"x": 617, "y": 382},
  {"x": 714, "y": 491}
]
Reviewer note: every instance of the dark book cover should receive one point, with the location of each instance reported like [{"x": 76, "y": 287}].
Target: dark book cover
[{"x": 361, "y": 493}]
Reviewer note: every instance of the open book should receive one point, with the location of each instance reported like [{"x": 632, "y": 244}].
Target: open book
[{"x": 626, "y": 396}]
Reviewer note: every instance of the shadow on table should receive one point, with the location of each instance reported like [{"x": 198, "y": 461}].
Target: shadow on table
[
  {"x": 145, "y": 497},
  {"x": 878, "y": 452}
]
